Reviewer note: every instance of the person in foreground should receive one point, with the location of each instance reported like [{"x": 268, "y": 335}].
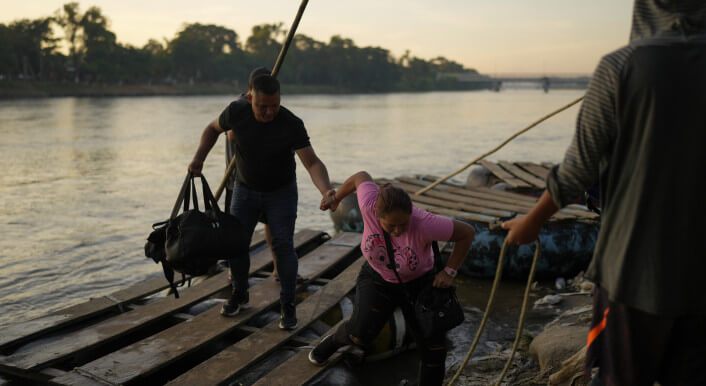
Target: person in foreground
[
  {"x": 266, "y": 138},
  {"x": 378, "y": 291},
  {"x": 641, "y": 131}
]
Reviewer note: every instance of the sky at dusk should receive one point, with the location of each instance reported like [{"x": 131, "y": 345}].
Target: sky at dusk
[{"x": 492, "y": 36}]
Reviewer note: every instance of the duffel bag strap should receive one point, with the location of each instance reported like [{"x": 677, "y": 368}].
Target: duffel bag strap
[
  {"x": 182, "y": 193},
  {"x": 169, "y": 275},
  {"x": 208, "y": 200}
]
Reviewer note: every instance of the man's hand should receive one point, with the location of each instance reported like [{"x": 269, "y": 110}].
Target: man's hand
[
  {"x": 328, "y": 201},
  {"x": 521, "y": 230},
  {"x": 195, "y": 167},
  {"x": 442, "y": 280}
]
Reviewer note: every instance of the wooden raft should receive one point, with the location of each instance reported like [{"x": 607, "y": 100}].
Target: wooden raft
[
  {"x": 479, "y": 204},
  {"x": 519, "y": 175},
  {"x": 159, "y": 341}
]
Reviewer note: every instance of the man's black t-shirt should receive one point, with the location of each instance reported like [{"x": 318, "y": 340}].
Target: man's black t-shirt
[{"x": 264, "y": 152}]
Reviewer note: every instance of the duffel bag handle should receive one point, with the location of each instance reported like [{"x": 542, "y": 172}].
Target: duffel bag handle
[
  {"x": 208, "y": 200},
  {"x": 184, "y": 192},
  {"x": 194, "y": 196}
]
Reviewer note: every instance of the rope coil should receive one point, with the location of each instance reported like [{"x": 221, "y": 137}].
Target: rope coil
[{"x": 491, "y": 298}]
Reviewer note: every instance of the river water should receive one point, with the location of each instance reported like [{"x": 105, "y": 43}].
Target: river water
[{"x": 84, "y": 178}]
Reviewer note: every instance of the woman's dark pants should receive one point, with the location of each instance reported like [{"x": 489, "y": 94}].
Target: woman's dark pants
[{"x": 375, "y": 300}]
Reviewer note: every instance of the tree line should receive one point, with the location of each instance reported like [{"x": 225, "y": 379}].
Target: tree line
[{"x": 30, "y": 50}]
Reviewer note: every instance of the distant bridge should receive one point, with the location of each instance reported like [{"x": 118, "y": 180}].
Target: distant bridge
[{"x": 508, "y": 80}]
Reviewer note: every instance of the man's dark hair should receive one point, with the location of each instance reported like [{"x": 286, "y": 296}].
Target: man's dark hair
[
  {"x": 259, "y": 71},
  {"x": 266, "y": 84}
]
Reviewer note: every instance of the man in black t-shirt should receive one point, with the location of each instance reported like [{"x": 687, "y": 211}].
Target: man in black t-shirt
[{"x": 266, "y": 138}]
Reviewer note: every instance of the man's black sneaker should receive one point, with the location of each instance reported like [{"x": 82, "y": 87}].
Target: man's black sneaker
[
  {"x": 236, "y": 303},
  {"x": 320, "y": 354},
  {"x": 288, "y": 318}
]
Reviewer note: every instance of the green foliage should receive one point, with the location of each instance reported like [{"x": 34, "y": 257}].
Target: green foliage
[
  {"x": 263, "y": 42},
  {"x": 208, "y": 53},
  {"x": 204, "y": 52}
]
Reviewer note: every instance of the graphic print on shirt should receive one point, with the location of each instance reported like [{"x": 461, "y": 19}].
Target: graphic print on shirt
[
  {"x": 376, "y": 251},
  {"x": 410, "y": 256}
]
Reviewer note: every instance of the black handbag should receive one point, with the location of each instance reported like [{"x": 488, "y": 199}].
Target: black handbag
[
  {"x": 192, "y": 242},
  {"x": 437, "y": 310}
]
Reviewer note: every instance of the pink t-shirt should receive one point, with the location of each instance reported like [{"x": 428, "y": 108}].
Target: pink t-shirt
[{"x": 413, "y": 253}]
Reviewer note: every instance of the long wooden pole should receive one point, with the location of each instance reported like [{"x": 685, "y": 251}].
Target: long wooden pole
[
  {"x": 437, "y": 182},
  {"x": 275, "y": 71}
]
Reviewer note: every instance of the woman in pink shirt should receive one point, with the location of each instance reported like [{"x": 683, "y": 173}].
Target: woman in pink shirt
[{"x": 378, "y": 291}]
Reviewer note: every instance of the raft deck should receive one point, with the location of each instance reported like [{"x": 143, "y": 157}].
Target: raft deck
[
  {"x": 519, "y": 175},
  {"x": 134, "y": 337},
  {"x": 479, "y": 204}
]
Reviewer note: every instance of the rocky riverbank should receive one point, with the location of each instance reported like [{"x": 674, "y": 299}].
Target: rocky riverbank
[{"x": 552, "y": 346}]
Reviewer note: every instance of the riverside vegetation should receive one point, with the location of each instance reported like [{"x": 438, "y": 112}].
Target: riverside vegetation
[{"x": 87, "y": 59}]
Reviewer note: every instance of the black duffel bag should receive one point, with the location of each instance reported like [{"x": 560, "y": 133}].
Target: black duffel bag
[
  {"x": 437, "y": 310},
  {"x": 192, "y": 242}
]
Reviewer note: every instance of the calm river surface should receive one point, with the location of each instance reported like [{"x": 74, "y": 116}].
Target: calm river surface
[{"x": 84, "y": 178}]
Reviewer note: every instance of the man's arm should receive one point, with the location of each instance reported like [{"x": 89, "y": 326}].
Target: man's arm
[
  {"x": 317, "y": 171},
  {"x": 208, "y": 139},
  {"x": 525, "y": 229},
  {"x": 596, "y": 130}
]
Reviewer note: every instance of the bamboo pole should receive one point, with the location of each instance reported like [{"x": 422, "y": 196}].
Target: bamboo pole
[
  {"x": 437, "y": 182},
  {"x": 275, "y": 71}
]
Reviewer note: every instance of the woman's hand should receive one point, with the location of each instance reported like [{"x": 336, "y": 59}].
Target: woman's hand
[
  {"x": 443, "y": 280},
  {"x": 328, "y": 201}
]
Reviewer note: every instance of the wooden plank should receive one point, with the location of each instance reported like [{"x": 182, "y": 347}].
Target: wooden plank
[
  {"x": 523, "y": 175},
  {"x": 522, "y": 200},
  {"x": 504, "y": 175},
  {"x": 297, "y": 370},
  {"x": 19, "y": 333},
  {"x": 461, "y": 206},
  {"x": 491, "y": 193},
  {"x": 458, "y": 214},
  {"x": 151, "y": 354},
  {"x": 234, "y": 359},
  {"x": 492, "y": 205},
  {"x": 29, "y": 377},
  {"x": 561, "y": 215},
  {"x": 112, "y": 329},
  {"x": 489, "y": 199},
  {"x": 75, "y": 378},
  {"x": 538, "y": 170},
  {"x": 450, "y": 202}
]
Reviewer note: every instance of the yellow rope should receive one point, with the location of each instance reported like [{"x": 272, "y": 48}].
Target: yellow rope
[
  {"x": 491, "y": 298},
  {"x": 437, "y": 182}
]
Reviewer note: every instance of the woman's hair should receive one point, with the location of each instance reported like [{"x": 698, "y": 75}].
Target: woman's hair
[{"x": 391, "y": 198}]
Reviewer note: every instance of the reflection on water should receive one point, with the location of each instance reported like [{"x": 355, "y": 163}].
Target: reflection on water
[{"x": 84, "y": 178}]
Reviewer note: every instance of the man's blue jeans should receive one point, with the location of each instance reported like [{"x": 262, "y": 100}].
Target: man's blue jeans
[{"x": 279, "y": 208}]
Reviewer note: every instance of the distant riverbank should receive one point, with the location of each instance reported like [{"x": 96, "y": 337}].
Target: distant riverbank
[
  {"x": 18, "y": 89},
  {"x": 33, "y": 89}
]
